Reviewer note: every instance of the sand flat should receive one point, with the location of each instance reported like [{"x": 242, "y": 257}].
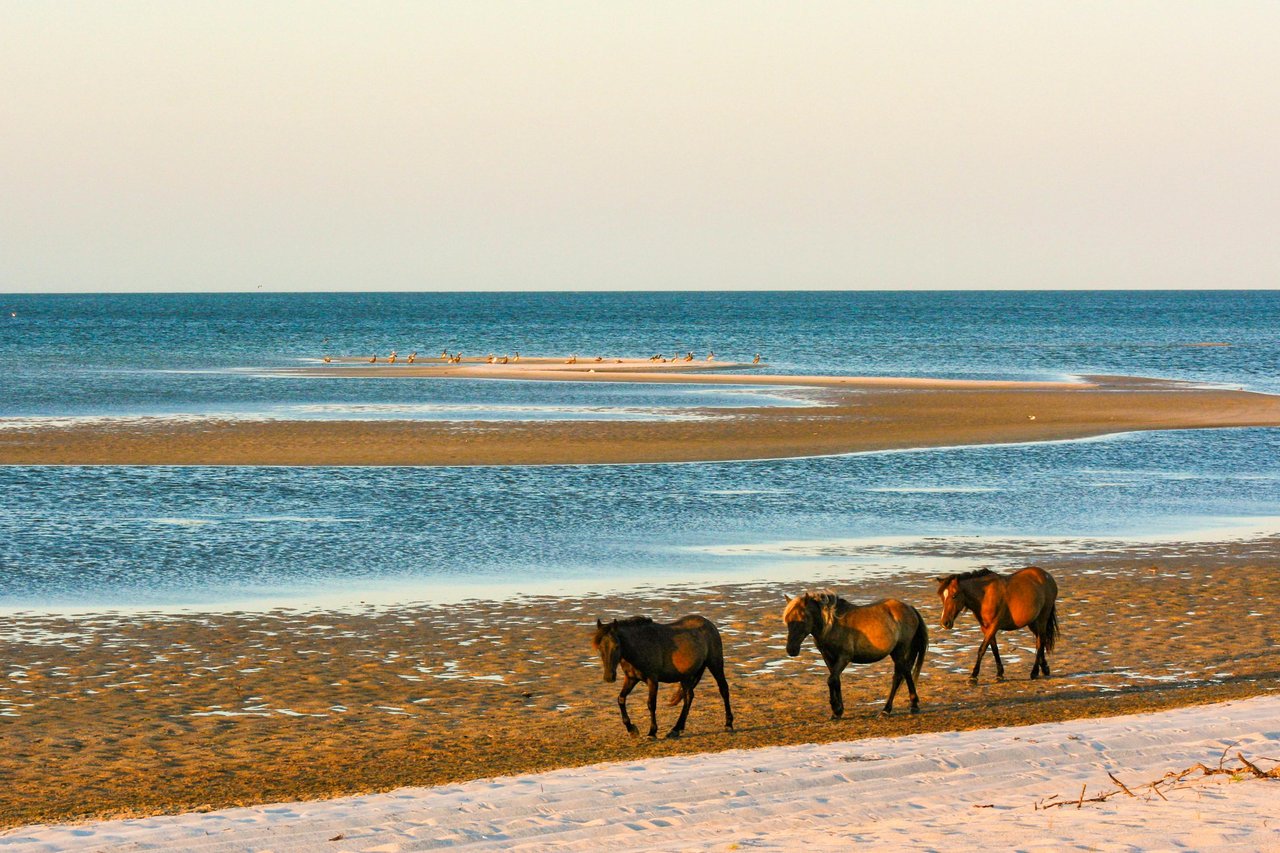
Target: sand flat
[
  {"x": 134, "y": 714},
  {"x": 859, "y": 414}
]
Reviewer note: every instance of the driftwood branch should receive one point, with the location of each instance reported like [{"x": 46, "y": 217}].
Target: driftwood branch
[{"x": 1170, "y": 781}]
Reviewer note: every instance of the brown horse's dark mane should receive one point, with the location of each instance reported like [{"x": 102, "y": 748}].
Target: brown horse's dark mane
[
  {"x": 634, "y": 620},
  {"x": 976, "y": 573}
]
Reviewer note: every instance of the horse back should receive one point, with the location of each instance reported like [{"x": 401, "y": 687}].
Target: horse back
[
  {"x": 679, "y": 649},
  {"x": 876, "y": 629}
]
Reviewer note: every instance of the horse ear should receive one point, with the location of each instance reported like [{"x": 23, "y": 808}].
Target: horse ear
[{"x": 599, "y": 624}]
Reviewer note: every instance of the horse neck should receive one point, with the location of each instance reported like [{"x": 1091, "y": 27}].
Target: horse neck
[
  {"x": 974, "y": 590},
  {"x": 630, "y": 641},
  {"x": 830, "y": 633}
]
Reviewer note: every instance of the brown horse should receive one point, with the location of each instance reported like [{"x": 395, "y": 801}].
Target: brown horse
[
  {"x": 1025, "y": 599},
  {"x": 653, "y": 653},
  {"x": 848, "y": 633}
]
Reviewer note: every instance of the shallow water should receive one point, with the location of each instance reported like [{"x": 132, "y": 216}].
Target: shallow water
[
  {"x": 192, "y": 353},
  {"x": 165, "y": 535},
  {"x": 142, "y": 536}
]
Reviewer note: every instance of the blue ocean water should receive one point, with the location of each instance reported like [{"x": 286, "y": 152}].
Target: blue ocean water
[{"x": 98, "y": 536}]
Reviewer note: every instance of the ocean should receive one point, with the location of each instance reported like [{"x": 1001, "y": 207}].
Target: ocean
[{"x": 254, "y": 537}]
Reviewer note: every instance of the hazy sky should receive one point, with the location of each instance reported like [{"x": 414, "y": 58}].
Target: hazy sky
[{"x": 510, "y": 146}]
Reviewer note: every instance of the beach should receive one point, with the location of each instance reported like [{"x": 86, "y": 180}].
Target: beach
[
  {"x": 856, "y": 414},
  {"x": 141, "y": 713},
  {"x": 1113, "y": 783}
]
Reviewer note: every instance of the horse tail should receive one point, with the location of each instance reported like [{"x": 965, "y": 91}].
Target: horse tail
[
  {"x": 919, "y": 645},
  {"x": 1051, "y": 628},
  {"x": 677, "y": 695}
]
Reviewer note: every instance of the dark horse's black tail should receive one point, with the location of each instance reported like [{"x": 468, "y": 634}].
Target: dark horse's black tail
[
  {"x": 919, "y": 645},
  {"x": 1051, "y": 628}
]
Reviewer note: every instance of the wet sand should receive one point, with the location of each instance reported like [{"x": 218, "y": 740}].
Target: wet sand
[
  {"x": 113, "y": 715},
  {"x": 859, "y": 414}
]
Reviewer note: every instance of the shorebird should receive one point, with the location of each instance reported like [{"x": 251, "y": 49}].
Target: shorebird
[
  {"x": 711, "y": 356},
  {"x": 413, "y": 356},
  {"x": 372, "y": 359},
  {"x": 392, "y": 358},
  {"x": 756, "y": 360},
  {"x": 327, "y": 359}
]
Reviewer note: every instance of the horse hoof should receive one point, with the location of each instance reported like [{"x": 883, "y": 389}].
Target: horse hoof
[
  {"x": 973, "y": 682},
  {"x": 999, "y": 678},
  {"x": 835, "y": 717},
  {"x": 1035, "y": 673},
  {"x": 673, "y": 734},
  {"x": 633, "y": 731}
]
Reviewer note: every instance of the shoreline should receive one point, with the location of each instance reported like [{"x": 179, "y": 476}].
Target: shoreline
[
  {"x": 146, "y": 714},
  {"x": 862, "y": 415}
]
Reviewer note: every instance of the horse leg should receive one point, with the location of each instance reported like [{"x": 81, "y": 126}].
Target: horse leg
[
  {"x": 653, "y": 707},
  {"x": 902, "y": 672},
  {"x": 1042, "y": 660},
  {"x": 893, "y": 690},
  {"x": 837, "y": 666},
  {"x": 687, "y": 689},
  {"x": 982, "y": 650},
  {"x": 628, "y": 684},
  {"x": 995, "y": 652},
  {"x": 911, "y": 688},
  {"x": 717, "y": 672}
]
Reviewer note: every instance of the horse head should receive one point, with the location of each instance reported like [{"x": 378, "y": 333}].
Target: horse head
[
  {"x": 807, "y": 614},
  {"x": 606, "y": 643},
  {"x": 949, "y": 592}
]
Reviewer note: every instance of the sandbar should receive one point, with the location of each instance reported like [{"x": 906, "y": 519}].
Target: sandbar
[{"x": 855, "y": 414}]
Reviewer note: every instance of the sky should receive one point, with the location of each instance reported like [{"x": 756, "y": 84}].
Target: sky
[{"x": 210, "y": 146}]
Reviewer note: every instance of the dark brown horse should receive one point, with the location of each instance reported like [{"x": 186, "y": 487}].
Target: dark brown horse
[
  {"x": 848, "y": 633},
  {"x": 653, "y": 654},
  {"x": 1025, "y": 599}
]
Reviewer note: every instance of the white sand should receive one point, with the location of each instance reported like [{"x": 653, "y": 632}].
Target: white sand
[{"x": 914, "y": 792}]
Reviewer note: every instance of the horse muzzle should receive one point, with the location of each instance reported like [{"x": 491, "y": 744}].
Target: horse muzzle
[{"x": 610, "y": 677}]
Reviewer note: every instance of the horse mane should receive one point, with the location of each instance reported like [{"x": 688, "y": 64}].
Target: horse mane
[
  {"x": 828, "y": 602},
  {"x": 634, "y": 620},
  {"x": 976, "y": 573}
]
